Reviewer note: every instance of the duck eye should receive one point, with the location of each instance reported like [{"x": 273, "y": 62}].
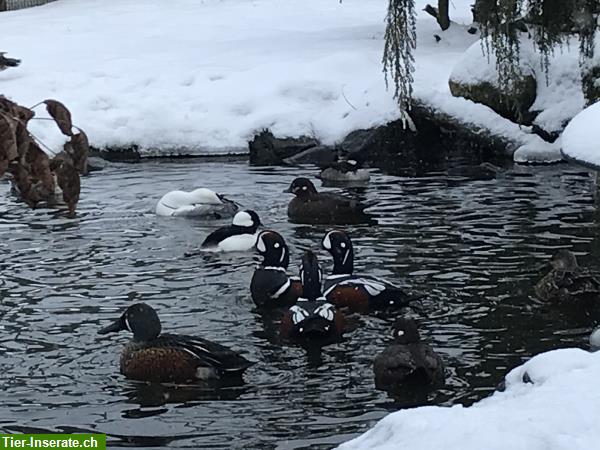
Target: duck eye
[
  {"x": 304, "y": 188},
  {"x": 343, "y": 245},
  {"x": 400, "y": 333},
  {"x": 276, "y": 245}
]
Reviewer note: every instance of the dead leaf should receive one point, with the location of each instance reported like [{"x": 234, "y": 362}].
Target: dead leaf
[
  {"x": 78, "y": 147},
  {"x": 61, "y": 116},
  {"x": 68, "y": 180},
  {"x": 8, "y": 141}
]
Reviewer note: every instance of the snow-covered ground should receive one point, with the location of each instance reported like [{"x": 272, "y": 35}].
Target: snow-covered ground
[
  {"x": 189, "y": 76},
  {"x": 581, "y": 138},
  {"x": 558, "y": 411}
]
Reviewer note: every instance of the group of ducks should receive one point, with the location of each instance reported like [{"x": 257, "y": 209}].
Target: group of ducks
[{"x": 312, "y": 309}]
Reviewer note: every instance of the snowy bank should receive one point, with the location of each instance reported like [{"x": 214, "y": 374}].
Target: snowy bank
[
  {"x": 557, "y": 410},
  {"x": 189, "y": 77},
  {"x": 581, "y": 138}
]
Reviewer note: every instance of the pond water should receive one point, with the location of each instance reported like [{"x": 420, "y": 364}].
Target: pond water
[{"x": 474, "y": 241}]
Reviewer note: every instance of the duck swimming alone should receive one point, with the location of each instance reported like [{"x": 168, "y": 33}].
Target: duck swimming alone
[
  {"x": 312, "y": 319},
  {"x": 153, "y": 356},
  {"x": 408, "y": 360},
  {"x": 271, "y": 286},
  {"x": 567, "y": 281},
  {"x": 240, "y": 236},
  {"x": 201, "y": 203},
  {"x": 311, "y": 207},
  {"x": 358, "y": 292},
  {"x": 344, "y": 170}
]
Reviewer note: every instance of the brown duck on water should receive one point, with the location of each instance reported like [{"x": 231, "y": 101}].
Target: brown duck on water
[
  {"x": 407, "y": 361},
  {"x": 312, "y": 207},
  {"x": 159, "y": 357},
  {"x": 567, "y": 281}
]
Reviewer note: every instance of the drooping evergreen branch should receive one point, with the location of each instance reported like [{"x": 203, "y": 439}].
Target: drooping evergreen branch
[{"x": 398, "y": 53}]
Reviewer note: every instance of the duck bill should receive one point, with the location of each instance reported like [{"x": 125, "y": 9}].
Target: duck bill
[
  {"x": 117, "y": 325},
  {"x": 314, "y": 328},
  {"x": 288, "y": 190}
]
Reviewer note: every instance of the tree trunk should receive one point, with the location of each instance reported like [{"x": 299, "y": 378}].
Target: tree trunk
[{"x": 443, "y": 14}]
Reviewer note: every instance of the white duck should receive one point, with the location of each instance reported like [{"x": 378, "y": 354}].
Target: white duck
[{"x": 202, "y": 203}]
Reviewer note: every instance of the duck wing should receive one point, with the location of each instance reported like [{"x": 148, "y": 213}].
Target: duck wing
[
  {"x": 268, "y": 285},
  {"x": 393, "y": 365},
  {"x": 207, "y": 353},
  {"x": 213, "y": 239},
  {"x": 431, "y": 362}
]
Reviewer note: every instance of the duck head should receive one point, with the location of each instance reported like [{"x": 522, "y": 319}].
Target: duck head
[
  {"x": 405, "y": 331},
  {"x": 564, "y": 260},
  {"x": 339, "y": 245},
  {"x": 302, "y": 187},
  {"x": 272, "y": 247},
  {"x": 141, "y": 319},
  {"x": 247, "y": 219}
]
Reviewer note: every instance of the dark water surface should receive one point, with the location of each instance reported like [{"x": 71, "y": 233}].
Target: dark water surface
[{"x": 473, "y": 240}]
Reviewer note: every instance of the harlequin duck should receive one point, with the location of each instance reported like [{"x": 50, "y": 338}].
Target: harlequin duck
[
  {"x": 312, "y": 207},
  {"x": 270, "y": 285},
  {"x": 201, "y": 203},
  {"x": 567, "y": 281},
  {"x": 359, "y": 293},
  {"x": 153, "y": 356},
  {"x": 238, "y": 237},
  {"x": 312, "y": 319},
  {"x": 408, "y": 360}
]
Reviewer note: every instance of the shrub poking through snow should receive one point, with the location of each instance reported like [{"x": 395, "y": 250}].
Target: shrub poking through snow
[{"x": 41, "y": 177}]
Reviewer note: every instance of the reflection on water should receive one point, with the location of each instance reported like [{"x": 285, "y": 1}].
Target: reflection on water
[{"x": 474, "y": 241}]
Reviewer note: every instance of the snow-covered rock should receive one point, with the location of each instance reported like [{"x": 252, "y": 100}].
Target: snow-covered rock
[
  {"x": 550, "y": 403},
  {"x": 475, "y": 77},
  {"x": 555, "y": 98},
  {"x": 581, "y": 138}
]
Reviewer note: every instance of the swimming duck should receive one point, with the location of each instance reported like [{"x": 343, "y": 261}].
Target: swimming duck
[
  {"x": 358, "y": 292},
  {"x": 407, "y": 360},
  {"x": 344, "y": 170},
  {"x": 153, "y": 356},
  {"x": 312, "y": 318},
  {"x": 238, "y": 237},
  {"x": 5, "y": 62},
  {"x": 201, "y": 202},
  {"x": 270, "y": 285},
  {"x": 567, "y": 280},
  {"x": 312, "y": 207}
]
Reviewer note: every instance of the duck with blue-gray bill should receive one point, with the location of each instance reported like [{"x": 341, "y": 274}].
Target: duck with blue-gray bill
[
  {"x": 312, "y": 207},
  {"x": 162, "y": 357}
]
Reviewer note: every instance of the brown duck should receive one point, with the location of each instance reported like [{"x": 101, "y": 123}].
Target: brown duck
[
  {"x": 567, "y": 281},
  {"x": 407, "y": 361},
  {"x": 153, "y": 356},
  {"x": 312, "y": 207}
]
